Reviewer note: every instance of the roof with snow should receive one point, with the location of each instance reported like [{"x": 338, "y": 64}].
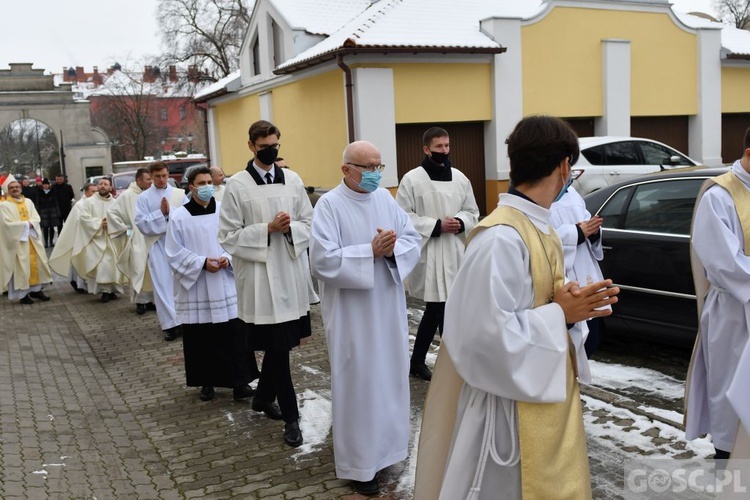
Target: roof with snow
[
  {"x": 320, "y": 17},
  {"x": 734, "y": 41},
  {"x": 229, "y": 83}
]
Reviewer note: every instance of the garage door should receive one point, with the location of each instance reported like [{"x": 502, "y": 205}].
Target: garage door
[
  {"x": 733, "y": 127},
  {"x": 467, "y": 151},
  {"x": 671, "y": 130},
  {"x": 584, "y": 127}
]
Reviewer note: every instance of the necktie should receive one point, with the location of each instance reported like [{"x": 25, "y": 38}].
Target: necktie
[{"x": 268, "y": 178}]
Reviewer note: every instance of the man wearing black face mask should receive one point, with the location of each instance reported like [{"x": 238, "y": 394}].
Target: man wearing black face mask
[{"x": 440, "y": 202}]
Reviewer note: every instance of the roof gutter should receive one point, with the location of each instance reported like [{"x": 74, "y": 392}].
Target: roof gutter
[
  {"x": 348, "y": 86},
  {"x": 344, "y": 51}
]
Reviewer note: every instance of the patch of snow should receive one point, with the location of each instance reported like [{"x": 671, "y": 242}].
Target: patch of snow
[
  {"x": 620, "y": 377},
  {"x": 310, "y": 370},
  {"x": 53, "y": 465},
  {"x": 229, "y": 417},
  {"x": 406, "y": 480},
  {"x": 42, "y": 472},
  {"x": 316, "y": 417},
  {"x": 671, "y": 415}
]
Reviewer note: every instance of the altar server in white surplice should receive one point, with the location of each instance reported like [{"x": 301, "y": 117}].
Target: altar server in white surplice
[
  {"x": 720, "y": 243},
  {"x": 440, "y": 202},
  {"x": 504, "y": 395},
  {"x": 133, "y": 257},
  {"x": 152, "y": 211},
  {"x": 362, "y": 249},
  {"x": 265, "y": 226},
  {"x": 215, "y": 342}
]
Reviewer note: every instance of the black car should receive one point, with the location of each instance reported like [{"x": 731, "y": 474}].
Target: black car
[{"x": 646, "y": 242}]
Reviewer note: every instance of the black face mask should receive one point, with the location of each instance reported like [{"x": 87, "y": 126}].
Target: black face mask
[
  {"x": 438, "y": 158},
  {"x": 267, "y": 156}
]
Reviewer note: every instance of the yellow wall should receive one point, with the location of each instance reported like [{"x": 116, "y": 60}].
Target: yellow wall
[
  {"x": 562, "y": 63},
  {"x": 735, "y": 88},
  {"x": 427, "y": 92},
  {"x": 233, "y": 118}
]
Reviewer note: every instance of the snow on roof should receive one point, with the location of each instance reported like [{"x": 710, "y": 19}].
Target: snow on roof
[
  {"x": 320, "y": 17},
  {"x": 224, "y": 83},
  {"x": 420, "y": 24},
  {"x": 733, "y": 40}
]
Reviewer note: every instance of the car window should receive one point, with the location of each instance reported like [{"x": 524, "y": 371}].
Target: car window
[
  {"x": 663, "y": 207},
  {"x": 594, "y": 155},
  {"x": 123, "y": 181},
  {"x": 656, "y": 154},
  {"x": 621, "y": 153},
  {"x": 613, "y": 211}
]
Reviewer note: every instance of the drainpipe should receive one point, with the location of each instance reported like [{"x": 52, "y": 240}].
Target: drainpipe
[{"x": 349, "y": 96}]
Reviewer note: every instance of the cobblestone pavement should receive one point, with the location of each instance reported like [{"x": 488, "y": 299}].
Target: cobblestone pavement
[{"x": 93, "y": 405}]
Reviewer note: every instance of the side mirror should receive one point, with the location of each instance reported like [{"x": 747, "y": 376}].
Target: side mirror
[{"x": 674, "y": 160}]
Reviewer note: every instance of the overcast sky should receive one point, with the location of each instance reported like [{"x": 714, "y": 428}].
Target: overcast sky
[{"x": 54, "y": 33}]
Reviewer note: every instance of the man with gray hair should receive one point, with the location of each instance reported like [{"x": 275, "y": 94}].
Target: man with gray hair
[{"x": 362, "y": 248}]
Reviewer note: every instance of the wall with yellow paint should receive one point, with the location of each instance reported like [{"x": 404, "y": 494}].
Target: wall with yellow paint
[
  {"x": 735, "y": 85},
  {"x": 562, "y": 63},
  {"x": 430, "y": 92},
  {"x": 233, "y": 118}
]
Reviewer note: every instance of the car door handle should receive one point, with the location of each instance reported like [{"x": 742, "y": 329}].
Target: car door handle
[
  {"x": 605, "y": 247},
  {"x": 614, "y": 173}
]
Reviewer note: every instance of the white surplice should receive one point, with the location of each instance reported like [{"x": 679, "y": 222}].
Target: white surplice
[
  {"x": 426, "y": 201},
  {"x": 152, "y": 223},
  {"x": 725, "y": 319},
  {"x": 133, "y": 256},
  {"x": 506, "y": 351},
  {"x": 364, "y": 315},
  {"x": 270, "y": 269},
  {"x": 200, "y": 296}
]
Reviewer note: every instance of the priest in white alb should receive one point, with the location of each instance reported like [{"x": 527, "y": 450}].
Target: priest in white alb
[
  {"x": 720, "y": 254},
  {"x": 503, "y": 417},
  {"x": 66, "y": 237},
  {"x": 133, "y": 257},
  {"x": 363, "y": 246},
  {"x": 215, "y": 342},
  {"x": 152, "y": 210},
  {"x": 23, "y": 261}
]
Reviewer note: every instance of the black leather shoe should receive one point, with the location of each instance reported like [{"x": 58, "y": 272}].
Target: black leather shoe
[
  {"x": 40, "y": 296},
  {"x": 207, "y": 393},
  {"x": 243, "y": 392},
  {"x": 112, "y": 296},
  {"x": 292, "y": 434},
  {"x": 105, "y": 298},
  {"x": 74, "y": 285},
  {"x": 81, "y": 290},
  {"x": 150, "y": 306},
  {"x": 26, "y": 300},
  {"x": 367, "y": 488},
  {"x": 271, "y": 410},
  {"x": 170, "y": 334},
  {"x": 420, "y": 370},
  {"x": 140, "y": 309}
]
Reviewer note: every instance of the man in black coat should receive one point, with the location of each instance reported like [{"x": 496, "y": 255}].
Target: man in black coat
[{"x": 64, "y": 196}]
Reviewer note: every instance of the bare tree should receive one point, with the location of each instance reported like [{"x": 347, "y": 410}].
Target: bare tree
[
  {"x": 736, "y": 12},
  {"x": 29, "y": 145},
  {"x": 205, "y": 33}
]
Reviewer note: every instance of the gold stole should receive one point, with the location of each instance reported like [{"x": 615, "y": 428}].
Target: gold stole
[
  {"x": 23, "y": 214},
  {"x": 554, "y": 457},
  {"x": 741, "y": 197}
]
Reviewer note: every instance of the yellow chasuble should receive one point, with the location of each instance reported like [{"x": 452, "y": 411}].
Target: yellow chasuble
[
  {"x": 554, "y": 458},
  {"x": 22, "y": 260},
  {"x": 23, "y": 215}
]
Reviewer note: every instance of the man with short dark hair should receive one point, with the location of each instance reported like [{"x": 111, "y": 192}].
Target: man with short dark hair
[
  {"x": 215, "y": 343},
  {"x": 720, "y": 242},
  {"x": 153, "y": 208},
  {"x": 265, "y": 226},
  {"x": 441, "y": 205},
  {"x": 64, "y": 195}
]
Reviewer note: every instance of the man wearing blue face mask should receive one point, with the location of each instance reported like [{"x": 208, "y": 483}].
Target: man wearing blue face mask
[
  {"x": 441, "y": 205},
  {"x": 265, "y": 225}
]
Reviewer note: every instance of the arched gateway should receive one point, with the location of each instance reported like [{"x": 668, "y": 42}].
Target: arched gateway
[{"x": 27, "y": 93}]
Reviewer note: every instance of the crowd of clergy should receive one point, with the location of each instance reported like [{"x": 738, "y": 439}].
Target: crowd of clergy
[{"x": 517, "y": 298}]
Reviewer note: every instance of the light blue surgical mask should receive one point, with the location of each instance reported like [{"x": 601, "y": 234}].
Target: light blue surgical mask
[
  {"x": 205, "y": 192},
  {"x": 564, "y": 189},
  {"x": 370, "y": 181}
]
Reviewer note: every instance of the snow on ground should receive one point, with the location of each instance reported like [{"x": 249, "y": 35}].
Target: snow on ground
[
  {"x": 671, "y": 415},
  {"x": 315, "y": 420},
  {"x": 634, "y": 379}
]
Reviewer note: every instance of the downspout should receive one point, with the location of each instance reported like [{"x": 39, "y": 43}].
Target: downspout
[{"x": 348, "y": 85}]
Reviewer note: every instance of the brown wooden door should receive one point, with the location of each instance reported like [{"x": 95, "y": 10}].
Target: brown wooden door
[
  {"x": 733, "y": 127},
  {"x": 671, "y": 130},
  {"x": 584, "y": 127},
  {"x": 467, "y": 151}
]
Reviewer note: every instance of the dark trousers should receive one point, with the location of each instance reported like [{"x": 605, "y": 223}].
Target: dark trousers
[
  {"x": 432, "y": 321},
  {"x": 595, "y": 334},
  {"x": 49, "y": 235},
  {"x": 275, "y": 382}
]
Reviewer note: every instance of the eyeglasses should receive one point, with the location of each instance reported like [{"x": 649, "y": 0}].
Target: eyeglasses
[
  {"x": 261, "y": 147},
  {"x": 369, "y": 168}
]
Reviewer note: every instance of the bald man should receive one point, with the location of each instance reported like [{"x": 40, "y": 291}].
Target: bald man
[
  {"x": 217, "y": 179},
  {"x": 362, "y": 248}
]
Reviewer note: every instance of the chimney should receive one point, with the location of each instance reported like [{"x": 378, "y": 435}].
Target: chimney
[
  {"x": 148, "y": 76},
  {"x": 65, "y": 73},
  {"x": 97, "y": 78},
  {"x": 80, "y": 75},
  {"x": 172, "y": 73},
  {"x": 192, "y": 73}
]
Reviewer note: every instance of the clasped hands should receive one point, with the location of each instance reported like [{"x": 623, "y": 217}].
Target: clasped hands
[
  {"x": 280, "y": 223},
  {"x": 214, "y": 265},
  {"x": 383, "y": 243},
  {"x": 582, "y": 303},
  {"x": 450, "y": 225}
]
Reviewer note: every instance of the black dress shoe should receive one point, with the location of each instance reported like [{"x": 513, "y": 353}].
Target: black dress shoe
[
  {"x": 112, "y": 296},
  {"x": 243, "y": 392},
  {"x": 271, "y": 410},
  {"x": 74, "y": 285},
  {"x": 367, "y": 488},
  {"x": 40, "y": 295},
  {"x": 292, "y": 434},
  {"x": 170, "y": 334},
  {"x": 26, "y": 300},
  {"x": 420, "y": 370},
  {"x": 207, "y": 393},
  {"x": 150, "y": 306},
  {"x": 140, "y": 309},
  {"x": 81, "y": 290},
  {"x": 105, "y": 298}
]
